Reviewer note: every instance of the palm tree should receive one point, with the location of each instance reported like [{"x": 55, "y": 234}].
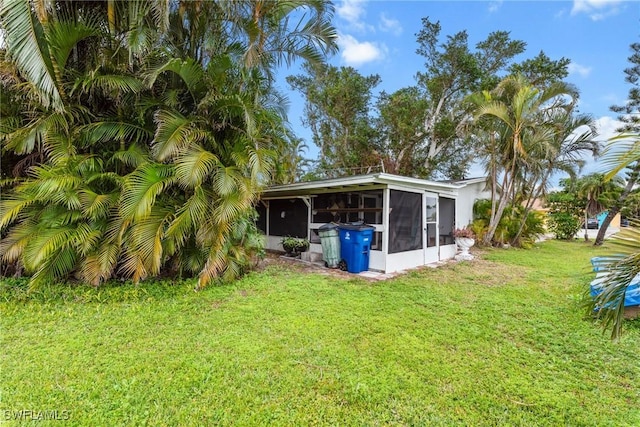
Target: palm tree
[
  {"x": 70, "y": 138},
  {"x": 521, "y": 109},
  {"x": 571, "y": 137},
  {"x": 590, "y": 189},
  {"x": 274, "y": 33},
  {"x": 622, "y": 153},
  {"x": 598, "y": 194},
  {"x": 148, "y": 131}
]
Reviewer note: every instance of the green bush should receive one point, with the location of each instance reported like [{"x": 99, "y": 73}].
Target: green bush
[
  {"x": 509, "y": 224},
  {"x": 563, "y": 225}
]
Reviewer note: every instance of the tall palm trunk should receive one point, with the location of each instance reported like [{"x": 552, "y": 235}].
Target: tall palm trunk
[
  {"x": 495, "y": 218},
  {"x": 586, "y": 225},
  {"x": 507, "y": 188},
  {"x": 533, "y": 196}
]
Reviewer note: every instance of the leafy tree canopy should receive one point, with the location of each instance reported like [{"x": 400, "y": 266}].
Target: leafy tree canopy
[{"x": 140, "y": 133}]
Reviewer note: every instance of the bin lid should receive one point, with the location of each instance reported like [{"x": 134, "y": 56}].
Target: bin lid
[
  {"x": 327, "y": 227},
  {"x": 356, "y": 227}
]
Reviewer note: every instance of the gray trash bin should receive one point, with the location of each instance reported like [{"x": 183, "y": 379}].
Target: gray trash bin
[{"x": 330, "y": 241}]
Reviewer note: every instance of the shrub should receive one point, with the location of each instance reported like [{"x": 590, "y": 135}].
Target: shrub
[
  {"x": 563, "y": 225},
  {"x": 509, "y": 224}
]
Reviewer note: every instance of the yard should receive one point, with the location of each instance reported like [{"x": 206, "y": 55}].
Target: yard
[{"x": 497, "y": 341}]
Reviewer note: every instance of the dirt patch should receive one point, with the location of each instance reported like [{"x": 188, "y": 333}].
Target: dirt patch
[
  {"x": 280, "y": 262},
  {"x": 283, "y": 263}
]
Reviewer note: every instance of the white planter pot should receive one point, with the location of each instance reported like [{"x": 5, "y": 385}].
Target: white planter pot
[{"x": 464, "y": 244}]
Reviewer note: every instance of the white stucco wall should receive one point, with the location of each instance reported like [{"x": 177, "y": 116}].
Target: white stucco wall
[{"x": 467, "y": 196}]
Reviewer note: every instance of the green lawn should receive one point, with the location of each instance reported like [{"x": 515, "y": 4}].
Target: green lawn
[{"x": 497, "y": 341}]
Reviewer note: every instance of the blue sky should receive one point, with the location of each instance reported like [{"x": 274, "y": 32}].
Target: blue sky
[{"x": 378, "y": 37}]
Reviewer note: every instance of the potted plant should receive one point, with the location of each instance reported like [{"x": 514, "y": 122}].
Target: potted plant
[
  {"x": 465, "y": 239},
  {"x": 293, "y": 246}
]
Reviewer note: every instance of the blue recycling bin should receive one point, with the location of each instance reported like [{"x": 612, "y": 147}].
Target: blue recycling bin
[{"x": 355, "y": 245}]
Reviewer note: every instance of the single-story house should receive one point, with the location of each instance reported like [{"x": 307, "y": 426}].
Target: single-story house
[{"x": 413, "y": 218}]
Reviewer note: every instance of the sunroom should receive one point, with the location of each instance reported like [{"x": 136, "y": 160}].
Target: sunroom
[{"x": 413, "y": 218}]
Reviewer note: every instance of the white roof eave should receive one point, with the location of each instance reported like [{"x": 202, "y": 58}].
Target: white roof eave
[{"x": 359, "y": 180}]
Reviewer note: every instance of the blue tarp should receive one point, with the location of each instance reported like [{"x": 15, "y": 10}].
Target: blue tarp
[{"x": 632, "y": 294}]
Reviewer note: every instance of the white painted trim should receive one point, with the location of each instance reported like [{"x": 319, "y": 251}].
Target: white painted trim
[
  {"x": 447, "y": 252},
  {"x": 360, "y": 180},
  {"x": 431, "y": 253},
  {"x": 404, "y": 260},
  {"x": 385, "y": 221},
  {"x": 377, "y": 261}
]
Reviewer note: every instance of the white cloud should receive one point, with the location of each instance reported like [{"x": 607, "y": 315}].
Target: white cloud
[
  {"x": 596, "y": 9},
  {"x": 581, "y": 70},
  {"x": 356, "y": 53},
  {"x": 607, "y": 126},
  {"x": 353, "y": 12},
  {"x": 390, "y": 25}
]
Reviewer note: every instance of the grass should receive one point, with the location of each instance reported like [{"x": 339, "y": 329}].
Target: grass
[{"x": 497, "y": 341}]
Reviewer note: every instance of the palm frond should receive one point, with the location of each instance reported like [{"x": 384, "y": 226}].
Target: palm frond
[
  {"x": 97, "y": 206},
  {"x": 496, "y": 109},
  {"x": 620, "y": 153},
  {"x": 225, "y": 180},
  {"x": 50, "y": 128},
  {"x": 108, "y": 131},
  {"x": 100, "y": 265},
  {"x": 133, "y": 266},
  {"x": 12, "y": 207},
  {"x": 193, "y": 212},
  {"x": 215, "y": 262},
  {"x": 142, "y": 187},
  {"x": 134, "y": 156},
  {"x": 194, "y": 166},
  {"x": 112, "y": 84},
  {"x": 12, "y": 245},
  {"x": 45, "y": 244},
  {"x": 58, "y": 265},
  {"x": 174, "y": 133},
  {"x": 148, "y": 237},
  {"x": 190, "y": 71},
  {"x": 56, "y": 185},
  {"x": 620, "y": 271},
  {"x": 27, "y": 47},
  {"x": 64, "y": 35}
]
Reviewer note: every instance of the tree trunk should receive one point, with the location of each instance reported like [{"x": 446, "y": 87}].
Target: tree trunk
[
  {"x": 533, "y": 196},
  {"x": 507, "y": 187},
  {"x": 605, "y": 225},
  {"x": 586, "y": 225},
  {"x": 495, "y": 219},
  {"x": 613, "y": 211}
]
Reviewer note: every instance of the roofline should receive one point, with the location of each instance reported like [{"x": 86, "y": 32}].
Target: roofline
[
  {"x": 469, "y": 180},
  {"x": 360, "y": 180}
]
